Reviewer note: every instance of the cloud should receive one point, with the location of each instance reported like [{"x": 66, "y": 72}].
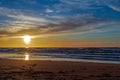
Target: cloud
[
  {"x": 49, "y": 10},
  {"x": 5, "y": 11},
  {"x": 115, "y": 8},
  {"x": 29, "y": 19},
  {"x": 113, "y": 4},
  {"x": 13, "y": 17},
  {"x": 77, "y": 24},
  {"x": 70, "y": 5},
  {"x": 18, "y": 22},
  {"x": 78, "y": 3}
]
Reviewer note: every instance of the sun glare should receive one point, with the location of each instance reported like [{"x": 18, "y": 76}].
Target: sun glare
[
  {"x": 26, "y": 57},
  {"x": 27, "y": 39}
]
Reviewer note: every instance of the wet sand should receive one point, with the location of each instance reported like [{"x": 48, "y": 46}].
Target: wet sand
[{"x": 57, "y": 70}]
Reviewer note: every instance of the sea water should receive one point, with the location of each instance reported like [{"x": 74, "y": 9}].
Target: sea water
[{"x": 64, "y": 54}]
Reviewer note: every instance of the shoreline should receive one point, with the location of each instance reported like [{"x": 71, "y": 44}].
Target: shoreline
[{"x": 70, "y": 60}]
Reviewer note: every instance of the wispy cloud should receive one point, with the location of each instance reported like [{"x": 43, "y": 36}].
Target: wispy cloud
[
  {"x": 24, "y": 19},
  {"x": 115, "y": 8},
  {"x": 17, "y": 16},
  {"x": 49, "y": 10},
  {"x": 77, "y": 24},
  {"x": 55, "y": 19},
  {"x": 113, "y": 4},
  {"x": 71, "y": 5}
]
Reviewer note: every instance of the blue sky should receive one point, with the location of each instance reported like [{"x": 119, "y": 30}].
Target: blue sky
[{"x": 77, "y": 20}]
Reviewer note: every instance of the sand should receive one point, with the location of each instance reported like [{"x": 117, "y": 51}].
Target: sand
[{"x": 57, "y": 70}]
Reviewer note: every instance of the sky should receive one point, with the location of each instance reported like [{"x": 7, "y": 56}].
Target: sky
[{"x": 60, "y": 23}]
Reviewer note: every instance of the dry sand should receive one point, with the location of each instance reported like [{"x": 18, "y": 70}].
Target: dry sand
[{"x": 57, "y": 70}]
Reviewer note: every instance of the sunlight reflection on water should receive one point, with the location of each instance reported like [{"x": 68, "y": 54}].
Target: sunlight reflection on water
[{"x": 27, "y": 56}]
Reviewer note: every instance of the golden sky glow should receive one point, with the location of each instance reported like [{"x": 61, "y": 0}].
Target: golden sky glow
[
  {"x": 63, "y": 40},
  {"x": 55, "y": 42}
]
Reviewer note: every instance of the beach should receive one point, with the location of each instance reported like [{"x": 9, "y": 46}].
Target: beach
[{"x": 57, "y": 70}]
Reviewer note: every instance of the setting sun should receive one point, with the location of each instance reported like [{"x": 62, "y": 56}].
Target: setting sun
[{"x": 27, "y": 39}]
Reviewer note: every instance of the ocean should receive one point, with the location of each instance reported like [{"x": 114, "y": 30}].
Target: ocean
[{"x": 65, "y": 54}]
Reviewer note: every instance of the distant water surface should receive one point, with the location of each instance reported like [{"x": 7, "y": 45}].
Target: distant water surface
[{"x": 81, "y": 54}]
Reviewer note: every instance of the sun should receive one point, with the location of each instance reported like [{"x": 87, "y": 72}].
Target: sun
[{"x": 27, "y": 39}]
